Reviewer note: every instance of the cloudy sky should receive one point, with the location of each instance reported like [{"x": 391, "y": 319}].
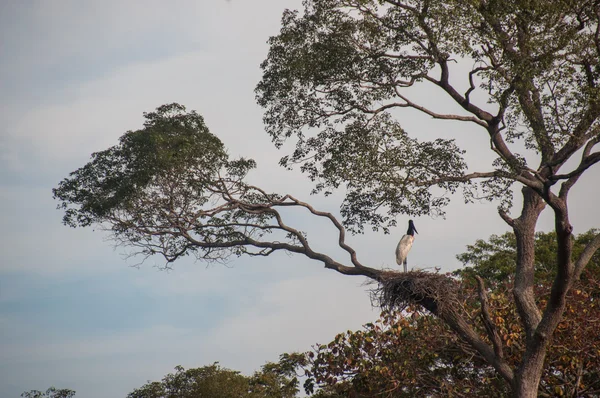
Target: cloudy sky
[{"x": 75, "y": 312}]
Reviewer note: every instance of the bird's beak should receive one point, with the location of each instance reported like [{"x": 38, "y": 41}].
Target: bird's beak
[{"x": 416, "y": 230}]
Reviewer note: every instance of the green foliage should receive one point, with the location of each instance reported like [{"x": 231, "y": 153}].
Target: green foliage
[
  {"x": 209, "y": 381},
  {"x": 373, "y": 176},
  {"x": 172, "y": 145},
  {"x": 157, "y": 189},
  {"x": 413, "y": 354},
  {"x": 336, "y": 73},
  {"x": 274, "y": 380},
  {"x": 399, "y": 355},
  {"x": 495, "y": 259},
  {"x": 214, "y": 381},
  {"x": 52, "y": 392}
]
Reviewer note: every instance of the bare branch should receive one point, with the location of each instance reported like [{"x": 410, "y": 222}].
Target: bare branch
[
  {"x": 586, "y": 255},
  {"x": 587, "y": 159},
  {"x": 490, "y": 326},
  {"x": 584, "y": 131},
  {"x": 471, "y": 83},
  {"x": 342, "y": 231},
  {"x": 573, "y": 176},
  {"x": 410, "y": 104},
  {"x": 510, "y": 221},
  {"x": 482, "y": 116},
  {"x": 473, "y": 176}
]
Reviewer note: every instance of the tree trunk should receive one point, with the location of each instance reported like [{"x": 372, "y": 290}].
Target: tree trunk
[
  {"x": 524, "y": 228},
  {"x": 527, "y": 378},
  {"x": 539, "y": 329}
]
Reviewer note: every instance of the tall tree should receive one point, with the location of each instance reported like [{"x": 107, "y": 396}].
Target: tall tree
[
  {"x": 333, "y": 80},
  {"x": 337, "y": 73}
]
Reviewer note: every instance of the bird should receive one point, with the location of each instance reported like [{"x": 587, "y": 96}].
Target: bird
[{"x": 405, "y": 244}]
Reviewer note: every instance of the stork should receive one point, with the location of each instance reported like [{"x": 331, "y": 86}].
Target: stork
[{"x": 405, "y": 244}]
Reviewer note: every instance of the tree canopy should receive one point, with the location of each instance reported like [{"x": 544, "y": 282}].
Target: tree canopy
[
  {"x": 213, "y": 381},
  {"x": 337, "y": 72},
  {"x": 51, "y": 392},
  {"x": 171, "y": 189},
  {"x": 156, "y": 187},
  {"x": 494, "y": 259}
]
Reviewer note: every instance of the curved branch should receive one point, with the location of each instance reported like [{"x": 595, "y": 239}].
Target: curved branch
[
  {"x": 588, "y": 159},
  {"x": 585, "y": 164},
  {"x": 471, "y": 83},
  {"x": 586, "y": 255},
  {"x": 585, "y": 130},
  {"x": 444, "y": 83},
  {"x": 338, "y": 225},
  {"x": 341, "y": 230},
  {"x": 490, "y": 326},
  {"x": 409, "y": 104},
  {"x": 507, "y": 219},
  {"x": 460, "y": 326},
  {"x": 575, "y": 174}
]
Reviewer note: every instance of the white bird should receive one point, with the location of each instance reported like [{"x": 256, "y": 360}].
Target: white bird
[{"x": 405, "y": 244}]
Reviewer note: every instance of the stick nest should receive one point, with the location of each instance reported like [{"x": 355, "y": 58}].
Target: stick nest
[{"x": 435, "y": 292}]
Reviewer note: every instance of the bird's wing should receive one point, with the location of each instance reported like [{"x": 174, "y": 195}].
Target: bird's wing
[
  {"x": 398, "y": 255},
  {"x": 403, "y": 248}
]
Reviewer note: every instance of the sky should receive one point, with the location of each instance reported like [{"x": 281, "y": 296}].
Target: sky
[{"x": 77, "y": 312}]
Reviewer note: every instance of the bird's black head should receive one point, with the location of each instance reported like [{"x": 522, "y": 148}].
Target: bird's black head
[{"x": 411, "y": 228}]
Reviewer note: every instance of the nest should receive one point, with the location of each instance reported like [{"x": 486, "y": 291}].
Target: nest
[{"x": 435, "y": 292}]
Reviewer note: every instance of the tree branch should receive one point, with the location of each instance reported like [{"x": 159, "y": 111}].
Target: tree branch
[
  {"x": 482, "y": 116},
  {"x": 575, "y": 174},
  {"x": 410, "y": 104},
  {"x": 507, "y": 219},
  {"x": 588, "y": 159},
  {"x": 581, "y": 133},
  {"x": 341, "y": 230},
  {"x": 524, "y": 228},
  {"x": 490, "y": 326},
  {"x": 586, "y": 255}
]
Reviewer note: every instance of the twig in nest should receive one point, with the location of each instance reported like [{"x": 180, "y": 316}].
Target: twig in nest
[{"x": 436, "y": 293}]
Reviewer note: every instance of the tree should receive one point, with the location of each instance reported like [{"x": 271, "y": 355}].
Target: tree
[
  {"x": 51, "y": 392},
  {"x": 214, "y": 381},
  {"x": 495, "y": 259},
  {"x": 412, "y": 354},
  {"x": 335, "y": 81},
  {"x": 406, "y": 354},
  {"x": 337, "y": 73}
]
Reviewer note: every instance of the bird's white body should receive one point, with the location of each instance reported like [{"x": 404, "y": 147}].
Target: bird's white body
[{"x": 402, "y": 250}]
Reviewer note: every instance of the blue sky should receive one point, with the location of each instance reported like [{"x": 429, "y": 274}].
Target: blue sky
[{"x": 74, "y": 310}]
